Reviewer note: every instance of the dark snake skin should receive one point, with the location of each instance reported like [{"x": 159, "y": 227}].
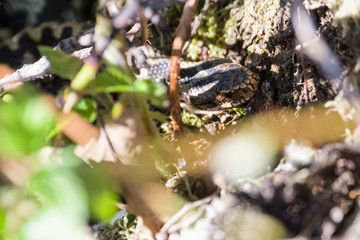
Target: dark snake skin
[{"x": 211, "y": 85}]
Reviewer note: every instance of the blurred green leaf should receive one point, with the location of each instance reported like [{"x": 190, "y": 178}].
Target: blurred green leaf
[
  {"x": 60, "y": 188},
  {"x": 155, "y": 92},
  {"x": 114, "y": 80},
  {"x": 53, "y": 159},
  {"x": 85, "y": 75},
  {"x": 111, "y": 76},
  {"x": 52, "y": 204},
  {"x": 54, "y": 224},
  {"x": 2, "y": 221},
  {"x": 16, "y": 207},
  {"x": 103, "y": 205},
  {"x": 62, "y": 64},
  {"x": 86, "y": 108},
  {"x": 24, "y": 123},
  {"x": 62, "y": 196},
  {"x": 102, "y": 199},
  {"x": 110, "y": 80},
  {"x": 7, "y": 97}
]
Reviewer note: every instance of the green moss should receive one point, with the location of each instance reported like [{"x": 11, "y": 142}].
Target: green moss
[
  {"x": 247, "y": 23},
  {"x": 191, "y": 119},
  {"x": 238, "y": 110},
  {"x": 211, "y": 32}
]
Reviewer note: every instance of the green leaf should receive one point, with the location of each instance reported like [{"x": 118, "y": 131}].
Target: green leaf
[
  {"x": 85, "y": 75},
  {"x": 61, "y": 64},
  {"x": 24, "y": 123},
  {"x": 238, "y": 110},
  {"x": 155, "y": 92},
  {"x": 64, "y": 205},
  {"x": 112, "y": 76},
  {"x": 60, "y": 188},
  {"x": 102, "y": 199},
  {"x": 131, "y": 218},
  {"x": 2, "y": 221},
  {"x": 86, "y": 108},
  {"x": 110, "y": 80}
]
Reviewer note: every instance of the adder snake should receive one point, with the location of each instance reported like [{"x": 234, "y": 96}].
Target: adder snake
[{"x": 209, "y": 85}]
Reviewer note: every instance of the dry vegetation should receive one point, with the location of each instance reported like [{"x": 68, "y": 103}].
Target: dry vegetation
[{"x": 284, "y": 165}]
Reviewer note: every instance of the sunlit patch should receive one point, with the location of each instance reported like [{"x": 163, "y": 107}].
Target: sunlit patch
[
  {"x": 248, "y": 154},
  {"x": 227, "y": 105}
]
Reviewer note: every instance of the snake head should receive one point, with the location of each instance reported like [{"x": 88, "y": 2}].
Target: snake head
[{"x": 220, "y": 87}]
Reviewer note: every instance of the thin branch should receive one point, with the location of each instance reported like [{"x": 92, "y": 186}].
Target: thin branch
[
  {"x": 37, "y": 70},
  {"x": 182, "y": 35}
]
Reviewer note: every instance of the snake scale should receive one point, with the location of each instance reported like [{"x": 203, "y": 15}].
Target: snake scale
[{"x": 209, "y": 85}]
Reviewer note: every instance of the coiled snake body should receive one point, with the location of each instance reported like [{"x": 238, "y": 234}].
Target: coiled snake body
[{"x": 209, "y": 85}]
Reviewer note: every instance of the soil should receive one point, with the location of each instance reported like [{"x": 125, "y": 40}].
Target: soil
[{"x": 313, "y": 198}]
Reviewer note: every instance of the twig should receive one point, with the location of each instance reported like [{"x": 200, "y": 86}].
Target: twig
[
  {"x": 164, "y": 231},
  {"x": 316, "y": 49},
  {"x": 79, "y": 46},
  {"x": 37, "y": 70},
  {"x": 182, "y": 34},
  {"x": 199, "y": 18}
]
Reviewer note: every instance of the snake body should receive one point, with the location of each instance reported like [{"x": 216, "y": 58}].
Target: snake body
[
  {"x": 217, "y": 84},
  {"x": 209, "y": 85}
]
